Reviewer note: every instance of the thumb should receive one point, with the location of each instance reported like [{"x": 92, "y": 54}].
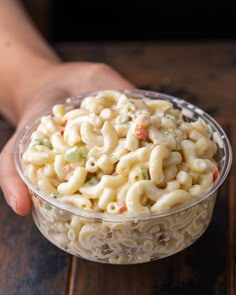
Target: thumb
[{"x": 14, "y": 189}]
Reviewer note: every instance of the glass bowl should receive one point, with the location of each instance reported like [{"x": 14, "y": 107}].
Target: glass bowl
[{"x": 125, "y": 238}]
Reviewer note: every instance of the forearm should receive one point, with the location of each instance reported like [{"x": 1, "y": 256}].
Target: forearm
[{"x": 24, "y": 54}]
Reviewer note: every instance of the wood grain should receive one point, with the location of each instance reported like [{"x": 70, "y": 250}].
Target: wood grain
[
  {"x": 203, "y": 73},
  {"x": 28, "y": 263}
]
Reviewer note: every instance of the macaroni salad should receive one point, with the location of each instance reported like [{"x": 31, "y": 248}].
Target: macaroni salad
[{"x": 118, "y": 154}]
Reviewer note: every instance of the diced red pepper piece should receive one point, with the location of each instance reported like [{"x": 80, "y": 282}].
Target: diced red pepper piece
[
  {"x": 62, "y": 132},
  {"x": 215, "y": 175},
  {"x": 141, "y": 132},
  {"x": 122, "y": 208}
]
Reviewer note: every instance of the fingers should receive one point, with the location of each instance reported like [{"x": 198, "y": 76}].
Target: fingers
[{"x": 15, "y": 191}]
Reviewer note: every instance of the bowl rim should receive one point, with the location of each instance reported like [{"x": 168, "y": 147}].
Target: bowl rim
[{"x": 110, "y": 217}]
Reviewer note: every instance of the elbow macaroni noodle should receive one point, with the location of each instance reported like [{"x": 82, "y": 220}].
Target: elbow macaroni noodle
[{"x": 132, "y": 157}]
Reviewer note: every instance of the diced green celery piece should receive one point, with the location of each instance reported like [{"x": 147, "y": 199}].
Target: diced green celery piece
[
  {"x": 144, "y": 173},
  {"x": 55, "y": 194},
  {"x": 47, "y": 143},
  {"x": 37, "y": 141},
  {"x": 47, "y": 206},
  {"x": 75, "y": 154},
  {"x": 91, "y": 180}
]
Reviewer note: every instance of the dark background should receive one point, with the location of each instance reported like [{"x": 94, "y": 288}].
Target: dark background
[{"x": 90, "y": 20}]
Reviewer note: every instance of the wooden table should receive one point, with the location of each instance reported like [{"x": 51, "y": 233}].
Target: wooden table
[{"x": 204, "y": 74}]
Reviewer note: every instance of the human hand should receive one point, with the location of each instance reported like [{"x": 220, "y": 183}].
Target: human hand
[{"x": 57, "y": 82}]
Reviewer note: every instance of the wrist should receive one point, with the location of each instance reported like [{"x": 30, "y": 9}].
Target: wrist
[
  {"x": 31, "y": 71},
  {"x": 24, "y": 56}
]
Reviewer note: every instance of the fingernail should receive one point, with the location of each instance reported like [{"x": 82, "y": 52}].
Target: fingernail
[{"x": 12, "y": 202}]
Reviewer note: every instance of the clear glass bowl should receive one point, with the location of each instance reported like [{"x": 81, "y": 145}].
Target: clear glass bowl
[{"x": 129, "y": 239}]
